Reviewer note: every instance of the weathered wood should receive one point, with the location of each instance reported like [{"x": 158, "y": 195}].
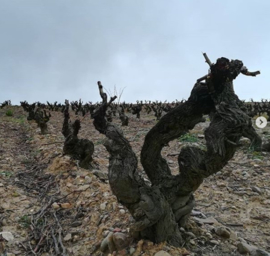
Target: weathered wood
[
  {"x": 153, "y": 216},
  {"x": 41, "y": 117},
  {"x": 207, "y": 60},
  {"x": 78, "y": 149},
  {"x": 159, "y": 210}
]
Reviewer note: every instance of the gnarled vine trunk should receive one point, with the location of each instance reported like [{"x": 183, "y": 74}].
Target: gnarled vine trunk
[
  {"x": 78, "y": 149},
  {"x": 160, "y": 209}
]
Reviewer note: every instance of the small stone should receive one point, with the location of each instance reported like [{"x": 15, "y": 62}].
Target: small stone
[
  {"x": 87, "y": 179},
  {"x": 256, "y": 189},
  {"x": 190, "y": 234},
  {"x": 84, "y": 187},
  {"x": 78, "y": 180},
  {"x": 95, "y": 218},
  {"x": 192, "y": 242},
  {"x": 195, "y": 213},
  {"x": 259, "y": 252},
  {"x": 7, "y": 236},
  {"x": 215, "y": 242},
  {"x": 209, "y": 220},
  {"x": 166, "y": 248},
  {"x": 198, "y": 213},
  {"x": 131, "y": 250},
  {"x": 233, "y": 236},
  {"x": 101, "y": 175},
  {"x": 75, "y": 238},
  {"x": 103, "y": 206},
  {"x": 245, "y": 173},
  {"x": 4, "y": 222},
  {"x": 162, "y": 253},
  {"x": 208, "y": 235},
  {"x": 223, "y": 232},
  {"x": 67, "y": 237},
  {"x": 243, "y": 248},
  {"x": 55, "y": 205},
  {"x": 69, "y": 185},
  {"x": 1, "y": 185},
  {"x": 66, "y": 205},
  {"x": 106, "y": 194},
  {"x": 122, "y": 211},
  {"x": 266, "y": 201},
  {"x": 76, "y": 224},
  {"x": 221, "y": 184}
]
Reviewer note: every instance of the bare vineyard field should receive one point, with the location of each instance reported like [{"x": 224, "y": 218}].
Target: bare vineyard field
[{"x": 46, "y": 197}]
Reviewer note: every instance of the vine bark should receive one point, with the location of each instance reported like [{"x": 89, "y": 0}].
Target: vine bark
[{"x": 158, "y": 210}]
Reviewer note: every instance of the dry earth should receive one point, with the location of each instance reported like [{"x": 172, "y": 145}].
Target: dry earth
[{"x": 50, "y": 206}]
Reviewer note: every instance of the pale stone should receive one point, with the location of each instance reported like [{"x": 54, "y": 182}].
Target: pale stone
[
  {"x": 192, "y": 242},
  {"x": 256, "y": 189},
  {"x": 209, "y": 220},
  {"x": 84, "y": 187},
  {"x": 162, "y": 253},
  {"x": 122, "y": 211},
  {"x": 209, "y": 235},
  {"x": 215, "y": 242},
  {"x": 88, "y": 179},
  {"x": 245, "y": 248},
  {"x": 7, "y": 236},
  {"x": 55, "y": 205},
  {"x": 68, "y": 237},
  {"x": 103, "y": 206}
]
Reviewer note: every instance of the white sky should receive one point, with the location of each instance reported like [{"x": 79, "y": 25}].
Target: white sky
[{"x": 58, "y": 49}]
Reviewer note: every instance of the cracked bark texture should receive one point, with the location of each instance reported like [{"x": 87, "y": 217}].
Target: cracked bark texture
[
  {"x": 41, "y": 118},
  {"x": 160, "y": 209},
  {"x": 78, "y": 149}
]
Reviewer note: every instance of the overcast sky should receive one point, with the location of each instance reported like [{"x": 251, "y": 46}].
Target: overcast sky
[{"x": 58, "y": 49}]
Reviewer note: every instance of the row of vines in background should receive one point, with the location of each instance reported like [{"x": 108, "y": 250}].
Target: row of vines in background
[{"x": 38, "y": 110}]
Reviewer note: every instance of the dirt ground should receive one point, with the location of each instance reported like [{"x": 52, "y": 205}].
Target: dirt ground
[{"x": 50, "y": 206}]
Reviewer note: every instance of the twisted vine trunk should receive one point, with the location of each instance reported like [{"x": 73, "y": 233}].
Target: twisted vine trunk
[
  {"x": 160, "y": 209},
  {"x": 78, "y": 149}
]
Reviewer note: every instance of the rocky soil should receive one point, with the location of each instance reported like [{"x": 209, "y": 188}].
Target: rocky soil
[{"x": 51, "y": 206}]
